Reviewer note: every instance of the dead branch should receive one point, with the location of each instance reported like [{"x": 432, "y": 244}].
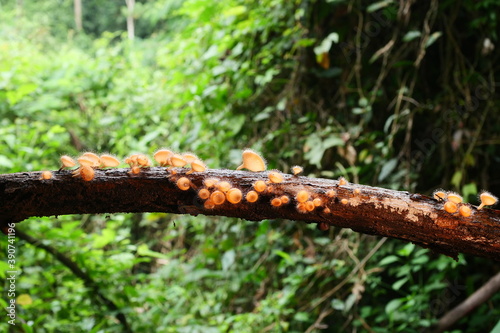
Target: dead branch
[{"x": 371, "y": 210}]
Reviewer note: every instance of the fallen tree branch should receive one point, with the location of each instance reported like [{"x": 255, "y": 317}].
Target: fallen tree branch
[{"x": 371, "y": 210}]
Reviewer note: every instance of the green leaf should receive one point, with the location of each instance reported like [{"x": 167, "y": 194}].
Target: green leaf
[
  {"x": 433, "y": 38},
  {"x": 411, "y": 35},
  {"x": 388, "y": 167},
  {"x": 398, "y": 284},
  {"x": 388, "y": 260},
  {"x": 393, "y": 305},
  {"x": 456, "y": 179},
  {"x": 378, "y": 5},
  {"x": 228, "y": 258},
  {"x": 338, "y": 304}
]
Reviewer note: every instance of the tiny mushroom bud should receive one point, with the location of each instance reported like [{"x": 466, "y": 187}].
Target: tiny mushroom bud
[
  {"x": 357, "y": 191},
  {"x": 260, "y": 186},
  {"x": 317, "y": 202},
  {"x": 162, "y": 156},
  {"x": 135, "y": 170},
  {"x": 331, "y": 193},
  {"x": 326, "y": 210},
  {"x": 109, "y": 161},
  {"x": 296, "y": 170},
  {"x": 87, "y": 173},
  {"x": 454, "y": 197},
  {"x": 234, "y": 195},
  {"x": 132, "y": 160},
  {"x": 252, "y": 196},
  {"x": 342, "y": 181},
  {"x": 450, "y": 207},
  {"x": 487, "y": 199},
  {"x": 252, "y": 161},
  {"x": 344, "y": 201},
  {"x": 285, "y": 199},
  {"x": 45, "y": 175},
  {"x": 275, "y": 177},
  {"x": 67, "y": 162},
  {"x": 309, "y": 206}
]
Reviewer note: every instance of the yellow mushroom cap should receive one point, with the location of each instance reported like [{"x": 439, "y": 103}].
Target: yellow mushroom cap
[
  {"x": 210, "y": 182},
  {"x": 46, "y": 175},
  {"x": 260, "y": 186},
  {"x": 275, "y": 177},
  {"x": 439, "y": 195},
  {"x": 218, "y": 197},
  {"x": 177, "y": 161},
  {"x": 84, "y": 161},
  {"x": 309, "y": 206},
  {"x": 162, "y": 156},
  {"x": 344, "y": 201},
  {"x": 143, "y": 160},
  {"x": 284, "y": 199},
  {"x": 276, "y": 202},
  {"x": 465, "y": 211},
  {"x": 454, "y": 197},
  {"x": 183, "y": 183},
  {"x": 189, "y": 157},
  {"x": 342, "y": 181},
  {"x": 301, "y": 207},
  {"x": 93, "y": 157},
  {"x": 204, "y": 193},
  {"x": 132, "y": 160},
  {"x": 209, "y": 204},
  {"x": 234, "y": 195},
  {"x": 135, "y": 170},
  {"x": 488, "y": 199},
  {"x": 252, "y": 161},
  {"x": 450, "y": 207},
  {"x": 109, "y": 161},
  {"x": 198, "y": 166},
  {"x": 67, "y": 162},
  {"x": 302, "y": 196},
  {"x": 317, "y": 202},
  {"x": 87, "y": 173},
  {"x": 297, "y": 169},
  {"x": 331, "y": 193},
  {"x": 223, "y": 186},
  {"x": 326, "y": 210},
  {"x": 252, "y": 196}
]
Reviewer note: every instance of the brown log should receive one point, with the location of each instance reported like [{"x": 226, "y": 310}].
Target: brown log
[{"x": 376, "y": 211}]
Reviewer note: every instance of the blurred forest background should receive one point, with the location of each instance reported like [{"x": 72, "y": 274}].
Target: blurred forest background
[{"x": 396, "y": 94}]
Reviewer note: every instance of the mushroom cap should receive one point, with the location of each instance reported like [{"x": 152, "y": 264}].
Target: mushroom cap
[
  {"x": 162, "y": 156},
  {"x": 183, "y": 183},
  {"x": 189, "y": 157},
  {"x": 198, "y": 166},
  {"x": 488, "y": 199},
  {"x": 275, "y": 177},
  {"x": 296, "y": 169},
  {"x": 465, "y": 211},
  {"x": 92, "y": 157},
  {"x": 252, "y": 196},
  {"x": 177, "y": 161},
  {"x": 302, "y": 196},
  {"x": 450, "y": 207},
  {"x": 252, "y": 161},
  {"x": 234, "y": 195},
  {"x": 67, "y": 161},
  {"x": 454, "y": 197},
  {"x": 85, "y": 161},
  {"x": 218, "y": 197},
  {"x": 260, "y": 186},
  {"x": 109, "y": 161}
]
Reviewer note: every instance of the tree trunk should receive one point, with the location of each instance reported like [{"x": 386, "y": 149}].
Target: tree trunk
[
  {"x": 371, "y": 210},
  {"x": 78, "y": 15},
  {"x": 130, "y": 19}
]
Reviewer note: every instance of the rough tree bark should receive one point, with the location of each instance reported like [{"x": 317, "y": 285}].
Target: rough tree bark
[{"x": 376, "y": 211}]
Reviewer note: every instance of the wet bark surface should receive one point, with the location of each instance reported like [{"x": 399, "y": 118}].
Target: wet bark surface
[{"x": 371, "y": 210}]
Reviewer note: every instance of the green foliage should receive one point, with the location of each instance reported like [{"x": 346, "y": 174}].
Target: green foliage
[{"x": 292, "y": 79}]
